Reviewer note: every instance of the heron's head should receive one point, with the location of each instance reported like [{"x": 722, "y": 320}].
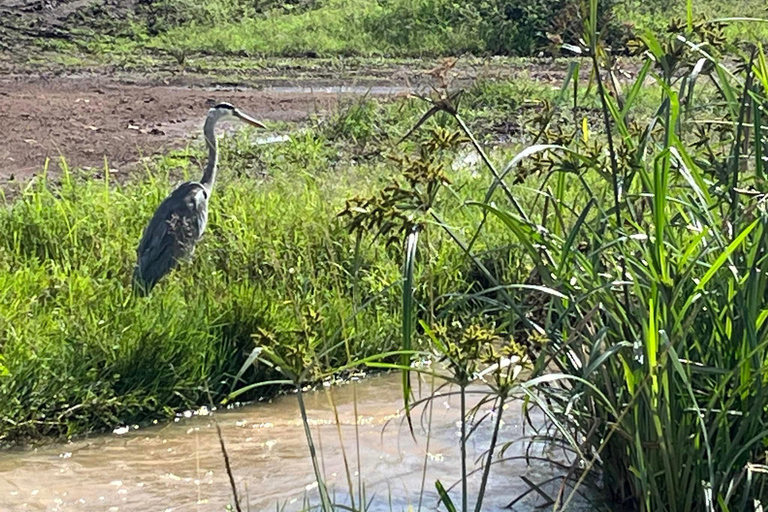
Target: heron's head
[{"x": 227, "y": 112}]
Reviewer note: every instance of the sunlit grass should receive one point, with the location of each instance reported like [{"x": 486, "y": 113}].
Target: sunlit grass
[
  {"x": 80, "y": 353},
  {"x": 417, "y": 28},
  {"x": 623, "y": 253},
  {"x": 641, "y": 303}
]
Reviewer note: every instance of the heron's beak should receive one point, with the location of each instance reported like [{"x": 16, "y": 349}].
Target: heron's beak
[{"x": 248, "y": 119}]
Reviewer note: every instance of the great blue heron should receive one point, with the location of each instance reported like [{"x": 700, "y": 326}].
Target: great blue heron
[{"x": 179, "y": 222}]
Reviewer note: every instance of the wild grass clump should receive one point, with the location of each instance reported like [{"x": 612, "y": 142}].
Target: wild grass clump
[
  {"x": 659, "y": 339},
  {"x": 640, "y": 301},
  {"x": 392, "y": 28},
  {"x": 79, "y": 353},
  {"x": 643, "y": 308}
]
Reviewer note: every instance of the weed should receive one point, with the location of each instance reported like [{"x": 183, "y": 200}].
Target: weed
[{"x": 389, "y": 27}]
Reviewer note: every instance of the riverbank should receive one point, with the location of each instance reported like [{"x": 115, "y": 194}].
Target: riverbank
[
  {"x": 92, "y": 113},
  {"x": 81, "y": 355}
]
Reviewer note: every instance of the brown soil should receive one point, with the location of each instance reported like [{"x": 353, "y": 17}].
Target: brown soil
[
  {"x": 22, "y": 21},
  {"x": 123, "y": 116},
  {"x": 87, "y": 121}
]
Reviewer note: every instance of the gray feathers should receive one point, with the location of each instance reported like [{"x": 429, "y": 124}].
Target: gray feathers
[
  {"x": 180, "y": 220},
  {"x": 178, "y": 224}
]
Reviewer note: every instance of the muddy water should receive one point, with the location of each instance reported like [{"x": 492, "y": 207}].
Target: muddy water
[{"x": 179, "y": 467}]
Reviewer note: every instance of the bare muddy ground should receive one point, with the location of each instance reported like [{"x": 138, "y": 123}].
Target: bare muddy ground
[
  {"x": 88, "y": 120},
  {"x": 124, "y": 115},
  {"x": 89, "y": 113}
]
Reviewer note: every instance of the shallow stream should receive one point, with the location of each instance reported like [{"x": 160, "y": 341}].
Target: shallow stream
[{"x": 179, "y": 467}]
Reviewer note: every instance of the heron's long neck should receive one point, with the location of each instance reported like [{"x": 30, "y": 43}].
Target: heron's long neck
[{"x": 209, "y": 175}]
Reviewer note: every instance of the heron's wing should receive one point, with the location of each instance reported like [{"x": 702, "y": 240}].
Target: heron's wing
[{"x": 172, "y": 233}]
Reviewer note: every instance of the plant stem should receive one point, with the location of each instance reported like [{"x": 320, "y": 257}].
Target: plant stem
[
  {"x": 614, "y": 166},
  {"x": 426, "y": 449},
  {"x": 228, "y": 467},
  {"x": 498, "y": 179},
  {"x": 326, "y": 502},
  {"x": 490, "y": 166},
  {"x": 737, "y": 143},
  {"x": 464, "y": 448},
  {"x": 357, "y": 444},
  {"x": 411, "y": 244},
  {"x": 491, "y": 448},
  {"x": 332, "y": 403},
  {"x": 487, "y": 273}
]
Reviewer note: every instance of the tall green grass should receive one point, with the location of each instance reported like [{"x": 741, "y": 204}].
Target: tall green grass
[
  {"x": 79, "y": 353},
  {"x": 643, "y": 313},
  {"x": 660, "y": 341}
]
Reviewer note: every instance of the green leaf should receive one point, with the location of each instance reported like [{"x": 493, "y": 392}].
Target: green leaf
[
  {"x": 729, "y": 92},
  {"x": 597, "y": 362},
  {"x": 725, "y": 255},
  {"x": 409, "y": 264},
  {"x": 573, "y": 74},
  {"x": 634, "y": 91},
  {"x": 444, "y": 497},
  {"x": 653, "y": 46},
  {"x": 257, "y": 385},
  {"x": 699, "y": 415},
  {"x": 689, "y": 15},
  {"x": 255, "y": 353},
  {"x": 518, "y": 228},
  {"x": 572, "y": 235},
  {"x": 757, "y": 116}
]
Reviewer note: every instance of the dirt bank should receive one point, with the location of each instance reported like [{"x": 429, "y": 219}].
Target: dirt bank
[
  {"x": 87, "y": 120},
  {"x": 23, "y": 21}
]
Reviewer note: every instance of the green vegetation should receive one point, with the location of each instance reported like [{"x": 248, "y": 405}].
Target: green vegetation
[
  {"x": 659, "y": 341},
  {"x": 641, "y": 301},
  {"x": 620, "y": 254},
  {"x": 364, "y": 27},
  {"x": 644, "y": 313},
  {"x": 392, "y": 28},
  {"x": 80, "y": 354},
  {"x": 414, "y": 28}
]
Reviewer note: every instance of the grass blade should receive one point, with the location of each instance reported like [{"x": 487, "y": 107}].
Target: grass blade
[
  {"x": 409, "y": 314},
  {"x": 725, "y": 255},
  {"x": 445, "y": 499}
]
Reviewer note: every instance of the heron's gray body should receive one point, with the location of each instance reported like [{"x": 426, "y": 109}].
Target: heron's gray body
[
  {"x": 170, "y": 237},
  {"x": 180, "y": 220}
]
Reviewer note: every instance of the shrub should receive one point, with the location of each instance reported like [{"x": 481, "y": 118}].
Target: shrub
[{"x": 499, "y": 27}]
